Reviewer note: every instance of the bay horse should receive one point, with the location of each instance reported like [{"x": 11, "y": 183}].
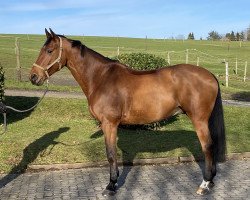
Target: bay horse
[{"x": 117, "y": 94}]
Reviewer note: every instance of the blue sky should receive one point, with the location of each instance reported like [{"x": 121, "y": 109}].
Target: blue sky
[{"x": 129, "y": 18}]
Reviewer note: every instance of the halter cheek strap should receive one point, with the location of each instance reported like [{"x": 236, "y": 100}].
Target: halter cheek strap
[{"x": 45, "y": 69}]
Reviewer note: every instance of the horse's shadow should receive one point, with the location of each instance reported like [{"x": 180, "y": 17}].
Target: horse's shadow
[
  {"x": 21, "y": 103},
  {"x": 133, "y": 143},
  {"x": 241, "y": 96},
  {"x": 31, "y": 152}
]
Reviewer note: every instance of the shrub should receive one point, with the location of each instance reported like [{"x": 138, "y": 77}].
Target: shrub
[
  {"x": 142, "y": 61},
  {"x": 1, "y": 83}
]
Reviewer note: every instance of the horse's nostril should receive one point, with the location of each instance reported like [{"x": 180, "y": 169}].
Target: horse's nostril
[{"x": 33, "y": 78}]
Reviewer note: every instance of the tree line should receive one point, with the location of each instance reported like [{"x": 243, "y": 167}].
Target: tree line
[{"x": 231, "y": 36}]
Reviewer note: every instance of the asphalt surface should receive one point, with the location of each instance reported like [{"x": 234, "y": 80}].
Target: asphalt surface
[{"x": 178, "y": 181}]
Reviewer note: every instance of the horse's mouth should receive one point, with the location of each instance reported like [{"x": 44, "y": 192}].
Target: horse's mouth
[
  {"x": 39, "y": 83},
  {"x": 36, "y": 80}
]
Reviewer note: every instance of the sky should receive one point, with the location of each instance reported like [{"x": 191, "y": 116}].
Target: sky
[{"x": 127, "y": 18}]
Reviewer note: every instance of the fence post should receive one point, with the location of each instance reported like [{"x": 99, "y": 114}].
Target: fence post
[
  {"x": 168, "y": 58},
  {"x": 245, "y": 72},
  {"x": 187, "y": 56},
  {"x": 18, "y": 66},
  {"x": 118, "y": 51},
  {"x": 236, "y": 66},
  {"x": 226, "y": 64},
  {"x": 198, "y": 61}
]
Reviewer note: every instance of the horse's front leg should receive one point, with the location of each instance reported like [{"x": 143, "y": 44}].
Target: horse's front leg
[{"x": 110, "y": 134}]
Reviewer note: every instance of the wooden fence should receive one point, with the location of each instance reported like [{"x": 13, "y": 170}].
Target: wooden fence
[{"x": 232, "y": 66}]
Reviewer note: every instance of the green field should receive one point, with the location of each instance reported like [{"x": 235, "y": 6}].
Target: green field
[
  {"x": 62, "y": 131},
  {"x": 209, "y": 53}
]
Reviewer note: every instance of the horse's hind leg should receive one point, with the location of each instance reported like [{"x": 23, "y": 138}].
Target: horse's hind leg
[{"x": 204, "y": 136}]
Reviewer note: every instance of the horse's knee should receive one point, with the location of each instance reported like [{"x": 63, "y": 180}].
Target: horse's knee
[{"x": 110, "y": 156}]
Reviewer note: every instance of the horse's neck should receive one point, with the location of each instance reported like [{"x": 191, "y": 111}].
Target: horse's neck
[{"x": 87, "y": 71}]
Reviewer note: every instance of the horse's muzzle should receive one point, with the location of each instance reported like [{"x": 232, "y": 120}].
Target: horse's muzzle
[{"x": 35, "y": 80}]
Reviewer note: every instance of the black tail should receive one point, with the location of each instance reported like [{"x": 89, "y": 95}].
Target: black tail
[{"x": 217, "y": 130}]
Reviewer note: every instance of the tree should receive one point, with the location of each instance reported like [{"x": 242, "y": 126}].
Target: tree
[
  {"x": 237, "y": 36},
  {"x": 232, "y": 36},
  {"x": 228, "y": 36},
  {"x": 248, "y": 33},
  {"x": 191, "y": 36},
  {"x": 242, "y": 35},
  {"x": 213, "y": 35}
]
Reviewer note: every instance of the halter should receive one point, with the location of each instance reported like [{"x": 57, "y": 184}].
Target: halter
[{"x": 45, "y": 69}]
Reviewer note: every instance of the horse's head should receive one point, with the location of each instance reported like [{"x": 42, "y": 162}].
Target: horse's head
[{"x": 50, "y": 60}]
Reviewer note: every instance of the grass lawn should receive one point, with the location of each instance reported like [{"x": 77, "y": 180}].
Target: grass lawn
[{"x": 62, "y": 131}]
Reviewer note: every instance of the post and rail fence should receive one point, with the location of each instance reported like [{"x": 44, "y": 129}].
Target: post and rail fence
[{"x": 234, "y": 66}]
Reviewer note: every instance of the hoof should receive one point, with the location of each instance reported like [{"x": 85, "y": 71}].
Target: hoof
[
  {"x": 108, "y": 193},
  {"x": 110, "y": 189},
  {"x": 205, "y": 188},
  {"x": 202, "y": 191}
]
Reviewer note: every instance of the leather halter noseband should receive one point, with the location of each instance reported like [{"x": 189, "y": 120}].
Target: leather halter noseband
[{"x": 45, "y": 69}]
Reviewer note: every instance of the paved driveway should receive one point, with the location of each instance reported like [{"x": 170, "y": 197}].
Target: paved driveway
[{"x": 178, "y": 181}]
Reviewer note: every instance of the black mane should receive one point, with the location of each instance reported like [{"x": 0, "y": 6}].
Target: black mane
[{"x": 78, "y": 44}]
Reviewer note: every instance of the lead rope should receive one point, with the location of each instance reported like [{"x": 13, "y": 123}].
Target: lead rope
[{"x": 3, "y": 107}]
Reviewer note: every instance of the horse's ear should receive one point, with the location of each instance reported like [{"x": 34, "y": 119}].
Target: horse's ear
[
  {"x": 47, "y": 33},
  {"x": 53, "y": 35}
]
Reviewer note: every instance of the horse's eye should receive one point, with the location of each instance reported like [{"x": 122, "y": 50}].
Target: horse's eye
[{"x": 49, "y": 51}]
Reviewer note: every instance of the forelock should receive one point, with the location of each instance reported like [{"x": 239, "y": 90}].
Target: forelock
[{"x": 47, "y": 41}]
